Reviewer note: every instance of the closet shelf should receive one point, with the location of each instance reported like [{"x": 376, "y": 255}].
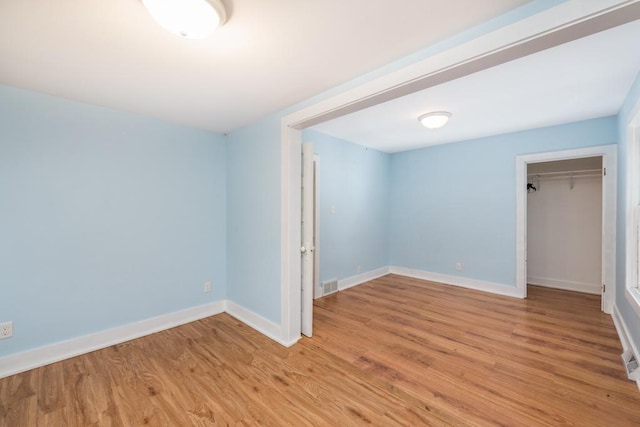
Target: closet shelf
[{"x": 585, "y": 173}]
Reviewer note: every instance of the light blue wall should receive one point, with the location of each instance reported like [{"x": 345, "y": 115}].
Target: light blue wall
[
  {"x": 253, "y": 210},
  {"x": 260, "y": 187},
  {"x": 106, "y": 218},
  {"x": 355, "y": 180},
  {"x": 626, "y": 311},
  {"x": 110, "y": 218},
  {"x": 457, "y": 202}
]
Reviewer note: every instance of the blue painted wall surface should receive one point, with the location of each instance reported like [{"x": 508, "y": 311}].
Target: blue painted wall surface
[
  {"x": 355, "y": 180},
  {"x": 457, "y": 202},
  {"x": 260, "y": 292},
  {"x": 106, "y": 218},
  {"x": 253, "y": 203},
  {"x": 624, "y": 307}
]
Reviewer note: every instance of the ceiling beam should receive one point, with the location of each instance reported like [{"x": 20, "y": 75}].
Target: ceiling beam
[{"x": 586, "y": 26}]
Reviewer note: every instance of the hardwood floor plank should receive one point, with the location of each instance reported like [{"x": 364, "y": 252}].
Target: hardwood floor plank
[
  {"x": 471, "y": 337},
  {"x": 393, "y": 352}
]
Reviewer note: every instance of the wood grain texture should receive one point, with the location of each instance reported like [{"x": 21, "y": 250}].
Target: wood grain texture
[{"x": 394, "y": 351}]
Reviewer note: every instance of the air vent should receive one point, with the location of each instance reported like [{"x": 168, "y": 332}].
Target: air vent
[
  {"x": 329, "y": 287},
  {"x": 631, "y": 365}
]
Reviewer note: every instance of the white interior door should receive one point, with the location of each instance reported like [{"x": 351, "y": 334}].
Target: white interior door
[{"x": 307, "y": 248}]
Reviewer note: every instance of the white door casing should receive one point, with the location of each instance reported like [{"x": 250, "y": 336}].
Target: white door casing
[
  {"x": 307, "y": 248},
  {"x": 608, "y": 153},
  {"x": 316, "y": 230}
]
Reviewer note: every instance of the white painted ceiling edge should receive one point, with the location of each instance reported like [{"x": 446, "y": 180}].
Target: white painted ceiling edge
[{"x": 551, "y": 27}]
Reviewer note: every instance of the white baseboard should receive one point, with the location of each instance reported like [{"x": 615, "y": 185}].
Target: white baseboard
[
  {"x": 480, "y": 285},
  {"x": 30, "y": 359},
  {"x": 359, "y": 279},
  {"x": 20, "y": 362},
  {"x": 259, "y": 323},
  {"x": 566, "y": 285},
  {"x": 623, "y": 333}
]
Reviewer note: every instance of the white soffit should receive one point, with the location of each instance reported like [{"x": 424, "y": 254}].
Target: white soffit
[{"x": 579, "y": 80}]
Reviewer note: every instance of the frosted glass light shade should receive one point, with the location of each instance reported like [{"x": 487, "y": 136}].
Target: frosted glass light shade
[
  {"x": 435, "y": 120},
  {"x": 194, "y": 19}
]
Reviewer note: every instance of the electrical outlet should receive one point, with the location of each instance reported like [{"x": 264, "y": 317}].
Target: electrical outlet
[
  {"x": 458, "y": 266},
  {"x": 6, "y": 330},
  {"x": 207, "y": 287}
]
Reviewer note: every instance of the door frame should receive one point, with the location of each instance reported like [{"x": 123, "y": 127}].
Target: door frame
[
  {"x": 308, "y": 240},
  {"x": 609, "y": 194},
  {"x": 316, "y": 231}
]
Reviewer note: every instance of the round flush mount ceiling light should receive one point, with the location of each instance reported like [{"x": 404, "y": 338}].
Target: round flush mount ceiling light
[
  {"x": 434, "y": 120},
  {"x": 193, "y": 19}
]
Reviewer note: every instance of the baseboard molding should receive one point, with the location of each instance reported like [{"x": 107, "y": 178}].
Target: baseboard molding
[
  {"x": 359, "y": 279},
  {"x": 566, "y": 285},
  {"x": 463, "y": 282},
  {"x": 623, "y": 333},
  {"x": 259, "y": 323},
  {"x": 30, "y": 359}
]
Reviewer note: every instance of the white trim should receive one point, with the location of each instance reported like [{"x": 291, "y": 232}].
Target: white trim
[
  {"x": 290, "y": 211},
  {"x": 623, "y": 333},
  {"x": 633, "y": 199},
  {"x": 568, "y": 21},
  {"x": 30, "y": 359},
  {"x": 463, "y": 282},
  {"x": 35, "y": 358},
  {"x": 633, "y": 296},
  {"x": 609, "y": 194},
  {"x": 521, "y": 227},
  {"x": 308, "y": 239},
  {"x": 359, "y": 279},
  {"x": 316, "y": 234},
  {"x": 257, "y": 322},
  {"x": 567, "y": 285}
]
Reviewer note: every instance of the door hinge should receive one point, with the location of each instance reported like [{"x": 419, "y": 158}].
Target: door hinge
[
  {"x": 604, "y": 288},
  {"x": 604, "y": 171}
]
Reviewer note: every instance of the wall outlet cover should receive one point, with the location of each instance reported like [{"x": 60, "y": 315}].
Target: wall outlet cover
[{"x": 6, "y": 330}]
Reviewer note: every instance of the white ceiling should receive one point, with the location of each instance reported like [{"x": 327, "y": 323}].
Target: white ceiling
[
  {"x": 584, "y": 79},
  {"x": 269, "y": 55}
]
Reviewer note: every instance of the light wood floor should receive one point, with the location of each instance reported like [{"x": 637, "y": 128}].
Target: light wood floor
[{"x": 394, "y": 351}]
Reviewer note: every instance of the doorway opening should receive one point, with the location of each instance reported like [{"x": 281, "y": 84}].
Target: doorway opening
[
  {"x": 533, "y": 173},
  {"x": 564, "y": 224}
]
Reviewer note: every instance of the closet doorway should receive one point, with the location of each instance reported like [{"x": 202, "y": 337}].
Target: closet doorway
[
  {"x": 607, "y": 154},
  {"x": 564, "y": 224}
]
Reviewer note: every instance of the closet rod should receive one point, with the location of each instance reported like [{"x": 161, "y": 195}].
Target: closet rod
[{"x": 567, "y": 174}]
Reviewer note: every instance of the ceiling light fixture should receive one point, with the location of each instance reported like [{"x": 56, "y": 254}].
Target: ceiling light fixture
[
  {"x": 193, "y": 19},
  {"x": 434, "y": 120}
]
